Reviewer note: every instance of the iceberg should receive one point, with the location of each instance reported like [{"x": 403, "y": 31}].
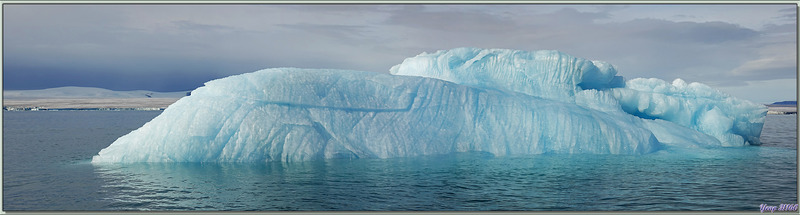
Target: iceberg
[
  {"x": 503, "y": 102},
  {"x": 547, "y": 74},
  {"x": 732, "y": 121}
]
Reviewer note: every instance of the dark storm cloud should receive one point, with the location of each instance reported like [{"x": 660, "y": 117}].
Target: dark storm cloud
[
  {"x": 40, "y": 77},
  {"x": 96, "y": 46}
]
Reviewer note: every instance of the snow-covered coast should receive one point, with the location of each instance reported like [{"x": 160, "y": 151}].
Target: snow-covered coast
[{"x": 87, "y": 98}]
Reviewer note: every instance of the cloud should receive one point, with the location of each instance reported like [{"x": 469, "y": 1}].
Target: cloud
[
  {"x": 450, "y": 21},
  {"x": 689, "y": 32},
  {"x": 191, "y": 44},
  {"x": 779, "y": 29},
  {"x": 766, "y": 68},
  {"x": 186, "y": 25},
  {"x": 775, "y": 61},
  {"x": 764, "y": 92},
  {"x": 351, "y": 34},
  {"x": 788, "y": 14}
]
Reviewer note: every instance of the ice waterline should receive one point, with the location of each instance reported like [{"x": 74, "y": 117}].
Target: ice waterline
[{"x": 499, "y": 101}]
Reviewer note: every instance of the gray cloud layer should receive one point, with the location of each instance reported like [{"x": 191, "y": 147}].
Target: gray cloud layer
[{"x": 178, "y": 47}]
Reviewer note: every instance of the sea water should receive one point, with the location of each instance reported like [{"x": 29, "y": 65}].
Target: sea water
[{"x": 46, "y": 166}]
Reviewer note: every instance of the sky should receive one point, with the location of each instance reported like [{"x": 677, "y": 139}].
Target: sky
[{"x": 746, "y": 50}]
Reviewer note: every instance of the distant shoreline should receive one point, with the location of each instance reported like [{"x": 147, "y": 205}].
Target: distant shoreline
[
  {"x": 781, "y": 109},
  {"x": 87, "y": 104}
]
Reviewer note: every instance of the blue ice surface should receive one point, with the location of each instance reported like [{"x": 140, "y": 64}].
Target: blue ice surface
[{"x": 504, "y": 102}]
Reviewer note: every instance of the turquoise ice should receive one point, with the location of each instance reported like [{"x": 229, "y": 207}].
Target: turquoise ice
[{"x": 504, "y": 102}]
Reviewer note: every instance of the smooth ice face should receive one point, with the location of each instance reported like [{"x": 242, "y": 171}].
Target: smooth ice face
[{"x": 503, "y": 102}]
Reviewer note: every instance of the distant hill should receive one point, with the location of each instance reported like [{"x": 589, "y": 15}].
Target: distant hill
[
  {"x": 784, "y": 103},
  {"x": 86, "y": 92}
]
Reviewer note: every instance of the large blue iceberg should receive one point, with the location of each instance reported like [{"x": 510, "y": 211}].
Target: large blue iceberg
[{"x": 504, "y": 102}]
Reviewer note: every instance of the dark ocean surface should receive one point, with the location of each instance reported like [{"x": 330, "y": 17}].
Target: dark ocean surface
[{"x": 46, "y": 166}]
